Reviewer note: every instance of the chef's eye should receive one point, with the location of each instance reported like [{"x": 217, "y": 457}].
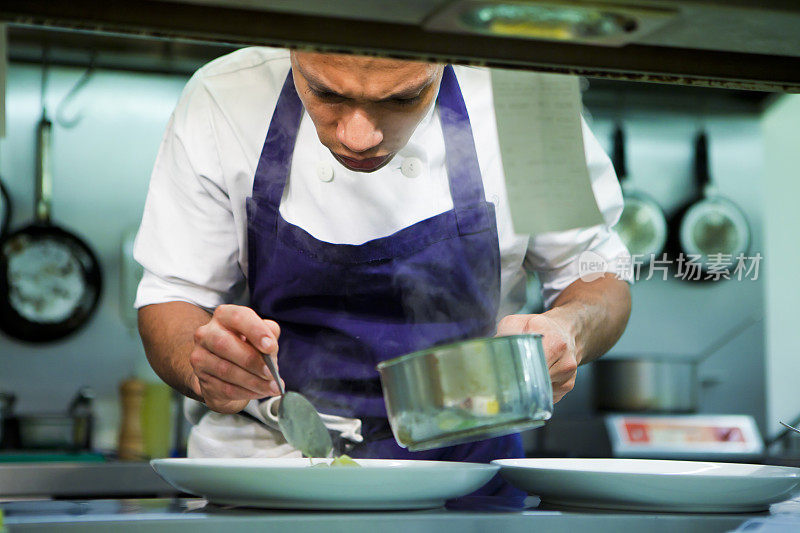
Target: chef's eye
[
  {"x": 405, "y": 101},
  {"x": 327, "y": 96}
]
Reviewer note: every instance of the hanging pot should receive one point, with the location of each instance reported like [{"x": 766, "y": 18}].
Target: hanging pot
[
  {"x": 642, "y": 225},
  {"x": 50, "y": 280},
  {"x": 710, "y": 230}
]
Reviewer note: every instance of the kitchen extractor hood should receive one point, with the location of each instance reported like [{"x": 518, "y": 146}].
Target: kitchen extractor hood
[{"x": 718, "y": 43}]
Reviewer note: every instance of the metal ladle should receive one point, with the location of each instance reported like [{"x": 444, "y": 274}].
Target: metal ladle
[{"x": 299, "y": 421}]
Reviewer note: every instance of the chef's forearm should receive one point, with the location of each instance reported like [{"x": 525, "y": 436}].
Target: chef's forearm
[
  {"x": 167, "y": 332},
  {"x": 595, "y": 312}
]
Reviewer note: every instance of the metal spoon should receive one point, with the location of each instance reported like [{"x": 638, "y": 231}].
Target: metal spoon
[
  {"x": 299, "y": 421},
  {"x": 787, "y": 426}
]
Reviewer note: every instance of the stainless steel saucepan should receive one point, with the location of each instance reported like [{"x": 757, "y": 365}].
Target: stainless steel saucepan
[
  {"x": 467, "y": 391},
  {"x": 656, "y": 383},
  {"x": 650, "y": 383}
]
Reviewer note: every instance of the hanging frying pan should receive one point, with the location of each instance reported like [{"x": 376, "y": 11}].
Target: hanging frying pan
[
  {"x": 50, "y": 280},
  {"x": 642, "y": 226},
  {"x": 710, "y": 230},
  {"x": 5, "y": 209}
]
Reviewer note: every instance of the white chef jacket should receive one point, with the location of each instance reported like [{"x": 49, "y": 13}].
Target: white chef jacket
[{"x": 192, "y": 241}]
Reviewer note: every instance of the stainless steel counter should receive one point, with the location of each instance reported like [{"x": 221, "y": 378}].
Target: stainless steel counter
[
  {"x": 82, "y": 480},
  {"x": 195, "y": 516}
]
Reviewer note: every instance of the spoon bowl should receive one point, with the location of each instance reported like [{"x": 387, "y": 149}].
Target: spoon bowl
[
  {"x": 302, "y": 426},
  {"x": 299, "y": 420}
]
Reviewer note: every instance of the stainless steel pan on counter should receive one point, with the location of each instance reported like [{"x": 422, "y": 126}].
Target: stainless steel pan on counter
[
  {"x": 467, "y": 391},
  {"x": 656, "y": 383},
  {"x": 650, "y": 383}
]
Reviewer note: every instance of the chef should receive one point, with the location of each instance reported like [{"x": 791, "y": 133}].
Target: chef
[{"x": 334, "y": 211}]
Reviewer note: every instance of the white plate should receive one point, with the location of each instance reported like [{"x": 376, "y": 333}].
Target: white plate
[
  {"x": 294, "y": 484},
  {"x": 645, "y": 485}
]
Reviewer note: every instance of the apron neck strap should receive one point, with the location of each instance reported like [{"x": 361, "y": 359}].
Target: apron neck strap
[
  {"x": 275, "y": 162},
  {"x": 463, "y": 170}
]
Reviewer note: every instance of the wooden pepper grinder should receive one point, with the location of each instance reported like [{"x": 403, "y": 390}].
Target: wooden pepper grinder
[{"x": 131, "y": 442}]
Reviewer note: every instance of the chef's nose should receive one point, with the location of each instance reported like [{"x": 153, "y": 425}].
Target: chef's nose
[{"x": 358, "y": 132}]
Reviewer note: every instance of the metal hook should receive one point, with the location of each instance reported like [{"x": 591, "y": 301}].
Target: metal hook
[{"x": 61, "y": 117}]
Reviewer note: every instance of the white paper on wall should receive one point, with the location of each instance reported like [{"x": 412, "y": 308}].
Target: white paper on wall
[{"x": 541, "y": 143}]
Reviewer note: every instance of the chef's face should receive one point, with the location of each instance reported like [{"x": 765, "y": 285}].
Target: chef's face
[{"x": 364, "y": 108}]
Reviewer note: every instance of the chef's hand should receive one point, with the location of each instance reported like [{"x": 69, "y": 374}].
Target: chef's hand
[
  {"x": 229, "y": 369},
  {"x": 559, "y": 347}
]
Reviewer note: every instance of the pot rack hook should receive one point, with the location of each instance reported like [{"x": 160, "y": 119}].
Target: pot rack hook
[{"x": 61, "y": 111}]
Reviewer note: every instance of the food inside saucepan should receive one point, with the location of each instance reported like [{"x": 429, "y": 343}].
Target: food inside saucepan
[{"x": 472, "y": 414}]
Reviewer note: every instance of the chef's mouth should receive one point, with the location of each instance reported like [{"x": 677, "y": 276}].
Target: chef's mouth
[{"x": 363, "y": 165}]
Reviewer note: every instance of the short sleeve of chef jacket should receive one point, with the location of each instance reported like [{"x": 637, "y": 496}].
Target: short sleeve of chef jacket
[
  {"x": 187, "y": 241},
  {"x": 554, "y": 256},
  {"x": 192, "y": 239}
]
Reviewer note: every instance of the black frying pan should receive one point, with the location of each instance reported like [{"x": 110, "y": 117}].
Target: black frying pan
[
  {"x": 5, "y": 209},
  {"x": 642, "y": 225},
  {"x": 50, "y": 281},
  {"x": 710, "y": 227}
]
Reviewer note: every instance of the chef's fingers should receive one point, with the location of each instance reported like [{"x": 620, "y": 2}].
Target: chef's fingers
[
  {"x": 562, "y": 376},
  {"x": 512, "y": 325},
  {"x": 230, "y": 347},
  {"x": 194, "y": 384},
  {"x": 247, "y": 326},
  {"x": 218, "y": 390},
  {"x": 559, "y": 395},
  {"x": 274, "y": 357},
  {"x": 271, "y": 324},
  {"x": 262, "y": 334},
  {"x": 563, "y": 370},
  {"x": 206, "y": 363},
  {"x": 560, "y": 389},
  {"x": 555, "y": 348}
]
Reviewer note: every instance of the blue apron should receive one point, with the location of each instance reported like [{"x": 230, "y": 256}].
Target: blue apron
[{"x": 343, "y": 308}]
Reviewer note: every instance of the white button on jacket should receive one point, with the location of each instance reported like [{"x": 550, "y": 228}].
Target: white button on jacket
[
  {"x": 325, "y": 171},
  {"x": 411, "y": 167}
]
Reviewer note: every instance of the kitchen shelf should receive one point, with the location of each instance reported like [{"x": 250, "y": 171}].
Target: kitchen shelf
[{"x": 712, "y": 43}]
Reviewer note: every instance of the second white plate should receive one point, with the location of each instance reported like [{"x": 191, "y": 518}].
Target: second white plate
[
  {"x": 294, "y": 484},
  {"x": 653, "y": 485}
]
